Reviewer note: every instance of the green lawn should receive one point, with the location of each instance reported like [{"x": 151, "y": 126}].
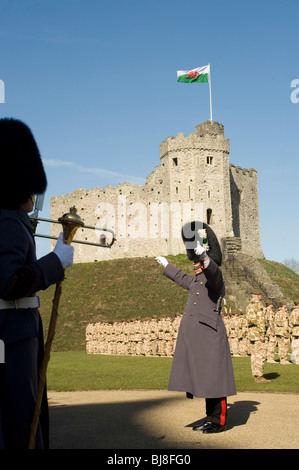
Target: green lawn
[
  {"x": 128, "y": 289},
  {"x": 77, "y": 370}
]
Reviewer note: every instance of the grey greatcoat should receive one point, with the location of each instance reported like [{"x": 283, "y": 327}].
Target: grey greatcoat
[
  {"x": 21, "y": 275},
  {"x": 202, "y": 364}
]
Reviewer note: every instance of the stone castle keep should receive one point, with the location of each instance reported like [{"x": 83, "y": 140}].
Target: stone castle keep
[{"x": 194, "y": 180}]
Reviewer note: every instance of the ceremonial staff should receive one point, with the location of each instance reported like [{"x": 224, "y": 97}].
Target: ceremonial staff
[{"x": 70, "y": 222}]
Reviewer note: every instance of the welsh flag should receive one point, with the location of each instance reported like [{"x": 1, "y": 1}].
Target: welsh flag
[{"x": 199, "y": 75}]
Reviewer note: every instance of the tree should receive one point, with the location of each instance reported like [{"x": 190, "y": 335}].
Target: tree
[{"x": 293, "y": 264}]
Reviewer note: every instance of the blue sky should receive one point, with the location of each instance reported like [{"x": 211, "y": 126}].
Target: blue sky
[{"x": 96, "y": 82}]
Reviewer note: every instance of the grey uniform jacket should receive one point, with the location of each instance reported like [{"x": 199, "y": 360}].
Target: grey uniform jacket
[{"x": 202, "y": 364}]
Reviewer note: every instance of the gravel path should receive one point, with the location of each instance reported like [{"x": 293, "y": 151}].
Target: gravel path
[{"x": 159, "y": 419}]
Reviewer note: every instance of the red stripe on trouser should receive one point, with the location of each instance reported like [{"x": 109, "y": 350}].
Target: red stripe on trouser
[{"x": 223, "y": 412}]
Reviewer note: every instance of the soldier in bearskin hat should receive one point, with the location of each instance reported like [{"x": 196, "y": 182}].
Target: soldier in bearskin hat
[
  {"x": 202, "y": 365},
  {"x": 21, "y": 276}
]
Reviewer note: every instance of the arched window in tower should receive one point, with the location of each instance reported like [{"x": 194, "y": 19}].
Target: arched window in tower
[{"x": 209, "y": 217}]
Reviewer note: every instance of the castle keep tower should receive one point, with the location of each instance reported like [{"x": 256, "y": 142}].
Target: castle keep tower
[
  {"x": 194, "y": 181},
  {"x": 197, "y": 170}
]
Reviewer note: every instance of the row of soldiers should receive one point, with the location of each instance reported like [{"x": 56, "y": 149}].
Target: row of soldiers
[
  {"x": 244, "y": 331},
  {"x": 153, "y": 337},
  {"x": 279, "y": 329}
]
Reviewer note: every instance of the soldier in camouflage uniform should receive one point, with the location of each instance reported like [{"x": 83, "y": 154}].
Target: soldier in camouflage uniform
[
  {"x": 272, "y": 340},
  {"x": 226, "y": 320},
  {"x": 243, "y": 335},
  {"x": 234, "y": 334},
  {"x": 282, "y": 332},
  {"x": 255, "y": 315},
  {"x": 294, "y": 327}
]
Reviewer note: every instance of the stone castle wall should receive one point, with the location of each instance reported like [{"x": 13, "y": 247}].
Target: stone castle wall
[{"x": 194, "y": 181}]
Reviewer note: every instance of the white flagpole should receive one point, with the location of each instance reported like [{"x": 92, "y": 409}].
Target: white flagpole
[{"x": 211, "y": 118}]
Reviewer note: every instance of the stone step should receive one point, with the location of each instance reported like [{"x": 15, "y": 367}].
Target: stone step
[{"x": 242, "y": 273}]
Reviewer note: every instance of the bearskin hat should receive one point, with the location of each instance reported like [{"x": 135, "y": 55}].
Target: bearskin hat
[
  {"x": 191, "y": 235},
  {"x": 21, "y": 169}
]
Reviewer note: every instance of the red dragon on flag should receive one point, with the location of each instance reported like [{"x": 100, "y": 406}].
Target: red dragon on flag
[{"x": 193, "y": 74}]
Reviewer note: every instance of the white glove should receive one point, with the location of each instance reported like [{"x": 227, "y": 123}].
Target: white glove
[
  {"x": 200, "y": 252},
  {"x": 161, "y": 260},
  {"x": 64, "y": 252}
]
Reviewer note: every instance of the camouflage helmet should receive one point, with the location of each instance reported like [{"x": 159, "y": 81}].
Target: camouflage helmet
[{"x": 256, "y": 292}]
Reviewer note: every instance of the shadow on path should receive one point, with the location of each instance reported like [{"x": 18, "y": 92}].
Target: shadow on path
[
  {"x": 237, "y": 413},
  {"x": 103, "y": 426}
]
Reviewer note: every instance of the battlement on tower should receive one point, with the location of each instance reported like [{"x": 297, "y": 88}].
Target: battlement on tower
[
  {"x": 208, "y": 137},
  {"x": 209, "y": 128}
]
